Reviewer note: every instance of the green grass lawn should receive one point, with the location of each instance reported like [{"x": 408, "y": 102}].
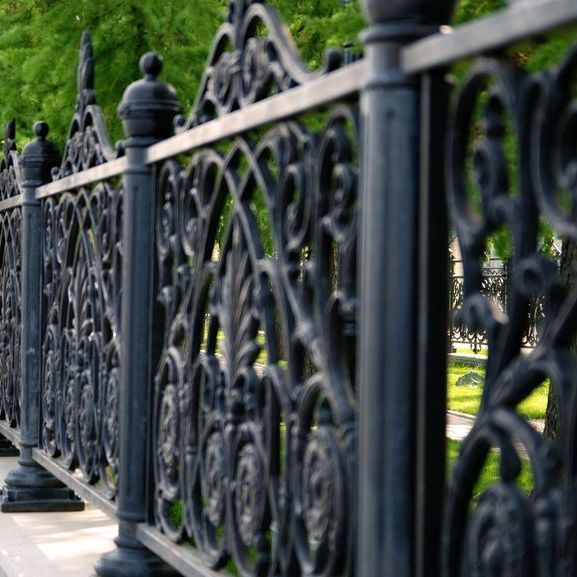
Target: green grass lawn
[
  {"x": 463, "y": 350},
  {"x": 467, "y": 399},
  {"x": 490, "y": 472}
]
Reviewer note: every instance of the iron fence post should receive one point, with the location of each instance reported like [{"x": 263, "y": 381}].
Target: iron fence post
[
  {"x": 392, "y": 296},
  {"x": 147, "y": 110},
  {"x": 29, "y": 487}
]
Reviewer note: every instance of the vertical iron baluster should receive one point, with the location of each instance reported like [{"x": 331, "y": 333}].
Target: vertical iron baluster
[{"x": 433, "y": 340}]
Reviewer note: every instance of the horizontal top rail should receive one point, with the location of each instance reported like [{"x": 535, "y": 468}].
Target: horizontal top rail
[
  {"x": 503, "y": 28},
  {"x": 11, "y": 202},
  {"x": 89, "y": 176},
  {"x": 324, "y": 90},
  {"x": 313, "y": 94}
]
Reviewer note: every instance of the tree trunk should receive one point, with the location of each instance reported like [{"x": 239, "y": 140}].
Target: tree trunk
[
  {"x": 552, "y": 416},
  {"x": 568, "y": 270}
]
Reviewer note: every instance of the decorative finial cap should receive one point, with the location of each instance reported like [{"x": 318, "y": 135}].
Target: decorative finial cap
[
  {"x": 149, "y": 106},
  {"x": 39, "y": 156},
  {"x": 422, "y": 11},
  {"x": 9, "y": 140},
  {"x": 151, "y": 65}
]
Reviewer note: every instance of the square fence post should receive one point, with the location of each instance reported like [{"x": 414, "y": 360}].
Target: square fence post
[
  {"x": 147, "y": 110},
  {"x": 395, "y": 295}
]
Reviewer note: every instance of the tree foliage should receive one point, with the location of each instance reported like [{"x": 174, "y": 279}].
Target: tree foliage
[{"x": 39, "y": 42}]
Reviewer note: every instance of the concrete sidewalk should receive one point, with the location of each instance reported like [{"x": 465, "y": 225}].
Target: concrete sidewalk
[
  {"x": 459, "y": 425},
  {"x": 52, "y": 544}
]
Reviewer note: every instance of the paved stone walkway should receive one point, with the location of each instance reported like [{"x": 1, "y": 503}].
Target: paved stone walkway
[
  {"x": 52, "y": 544},
  {"x": 459, "y": 425}
]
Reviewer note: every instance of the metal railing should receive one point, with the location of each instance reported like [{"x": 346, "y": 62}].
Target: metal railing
[{"x": 230, "y": 332}]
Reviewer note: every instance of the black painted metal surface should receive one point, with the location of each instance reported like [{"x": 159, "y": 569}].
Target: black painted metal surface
[{"x": 237, "y": 334}]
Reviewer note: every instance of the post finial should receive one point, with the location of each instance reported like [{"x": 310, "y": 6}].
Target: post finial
[
  {"x": 149, "y": 105},
  {"x": 39, "y": 157},
  {"x": 423, "y": 11}
]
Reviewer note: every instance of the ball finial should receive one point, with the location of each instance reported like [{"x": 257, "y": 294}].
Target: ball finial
[
  {"x": 151, "y": 64},
  {"x": 41, "y": 130}
]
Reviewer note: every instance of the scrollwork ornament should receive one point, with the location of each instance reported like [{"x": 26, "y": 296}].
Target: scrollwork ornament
[
  {"x": 208, "y": 490},
  {"x": 321, "y": 504},
  {"x": 68, "y": 403},
  {"x": 109, "y": 416},
  {"x": 213, "y": 475},
  {"x": 249, "y": 493},
  {"x": 252, "y": 57},
  {"x": 50, "y": 377},
  {"x": 249, "y": 504},
  {"x": 553, "y": 157},
  {"x": 500, "y": 540},
  {"x": 81, "y": 340}
]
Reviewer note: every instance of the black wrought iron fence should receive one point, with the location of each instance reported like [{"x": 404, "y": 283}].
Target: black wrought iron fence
[
  {"x": 495, "y": 285},
  {"x": 234, "y": 325}
]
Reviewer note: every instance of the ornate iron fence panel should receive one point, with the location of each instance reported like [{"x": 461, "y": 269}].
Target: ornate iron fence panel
[
  {"x": 81, "y": 348},
  {"x": 81, "y": 289},
  {"x": 10, "y": 282},
  {"x": 510, "y": 158},
  {"x": 255, "y": 397}
]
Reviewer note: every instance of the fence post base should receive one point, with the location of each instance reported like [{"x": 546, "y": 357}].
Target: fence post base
[
  {"x": 131, "y": 559},
  {"x": 31, "y": 489}
]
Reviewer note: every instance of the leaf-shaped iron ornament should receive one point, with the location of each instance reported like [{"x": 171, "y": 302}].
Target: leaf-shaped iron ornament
[{"x": 88, "y": 143}]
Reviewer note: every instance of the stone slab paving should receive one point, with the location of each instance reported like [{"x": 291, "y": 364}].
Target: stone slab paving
[
  {"x": 52, "y": 544},
  {"x": 459, "y": 425}
]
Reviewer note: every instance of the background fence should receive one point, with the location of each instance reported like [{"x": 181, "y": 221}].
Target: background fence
[{"x": 495, "y": 285}]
